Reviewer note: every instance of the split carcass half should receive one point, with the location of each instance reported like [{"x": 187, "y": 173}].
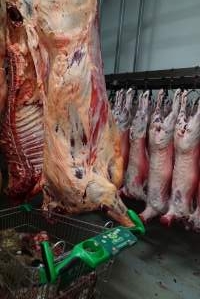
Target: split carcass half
[
  {"x": 3, "y": 83},
  {"x": 83, "y": 166},
  {"x": 137, "y": 172},
  {"x": 21, "y": 137},
  {"x": 123, "y": 116},
  {"x": 186, "y": 168},
  {"x": 161, "y": 151}
]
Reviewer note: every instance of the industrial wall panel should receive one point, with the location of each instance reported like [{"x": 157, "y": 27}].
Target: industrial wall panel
[{"x": 170, "y": 35}]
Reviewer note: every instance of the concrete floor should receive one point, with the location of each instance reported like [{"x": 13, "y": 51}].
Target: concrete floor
[{"x": 165, "y": 264}]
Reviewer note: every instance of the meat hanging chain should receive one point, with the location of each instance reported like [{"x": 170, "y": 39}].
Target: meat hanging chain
[
  {"x": 21, "y": 137},
  {"x": 82, "y": 162}
]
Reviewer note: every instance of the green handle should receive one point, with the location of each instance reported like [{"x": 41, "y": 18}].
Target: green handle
[
  {"x": 89, "y": 252},
  {"x": 139, "y": 226},
  {"x": 48, "y": 260},
  {"x": 92, "y": 252},
  {"x": 26, "y": 207}
]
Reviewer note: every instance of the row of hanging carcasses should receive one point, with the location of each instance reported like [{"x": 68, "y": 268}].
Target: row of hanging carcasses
[{"x": 160, "y": 138}]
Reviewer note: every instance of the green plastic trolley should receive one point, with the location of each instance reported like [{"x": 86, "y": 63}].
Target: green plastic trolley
[{"x": 86, "y": 252}]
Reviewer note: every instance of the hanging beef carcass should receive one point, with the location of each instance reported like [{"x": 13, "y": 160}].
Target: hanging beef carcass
[
  {"x": 123, "y": 114},
  {"x": 21, "y": 136},
  {"x": 3, "y": 84},
  {"x": 161, "y": 134},
  {"x": 137, "y": 172},
  {"x": 83, "y": 166},
  {"x": 186, "y": 168}
]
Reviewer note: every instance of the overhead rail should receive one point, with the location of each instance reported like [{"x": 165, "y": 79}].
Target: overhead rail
[{"x": 171, "y": 78}]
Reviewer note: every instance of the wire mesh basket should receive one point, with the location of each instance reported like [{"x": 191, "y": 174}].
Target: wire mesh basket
[{"x": 19, "y": 275}]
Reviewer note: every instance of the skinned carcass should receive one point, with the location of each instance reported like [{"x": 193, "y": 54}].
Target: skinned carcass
[
  {"x": 186, "y": 168},
  {"x": 123, "y": 115},
  {"x": 83, "y": 166},
  {"x": 137, "y": 171},
  {"x": 161, "y": 132},
  {"x": 21, "y": 137}
]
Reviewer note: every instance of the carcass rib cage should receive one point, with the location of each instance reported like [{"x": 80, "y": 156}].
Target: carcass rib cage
[{"x": 21, "y": 135}]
